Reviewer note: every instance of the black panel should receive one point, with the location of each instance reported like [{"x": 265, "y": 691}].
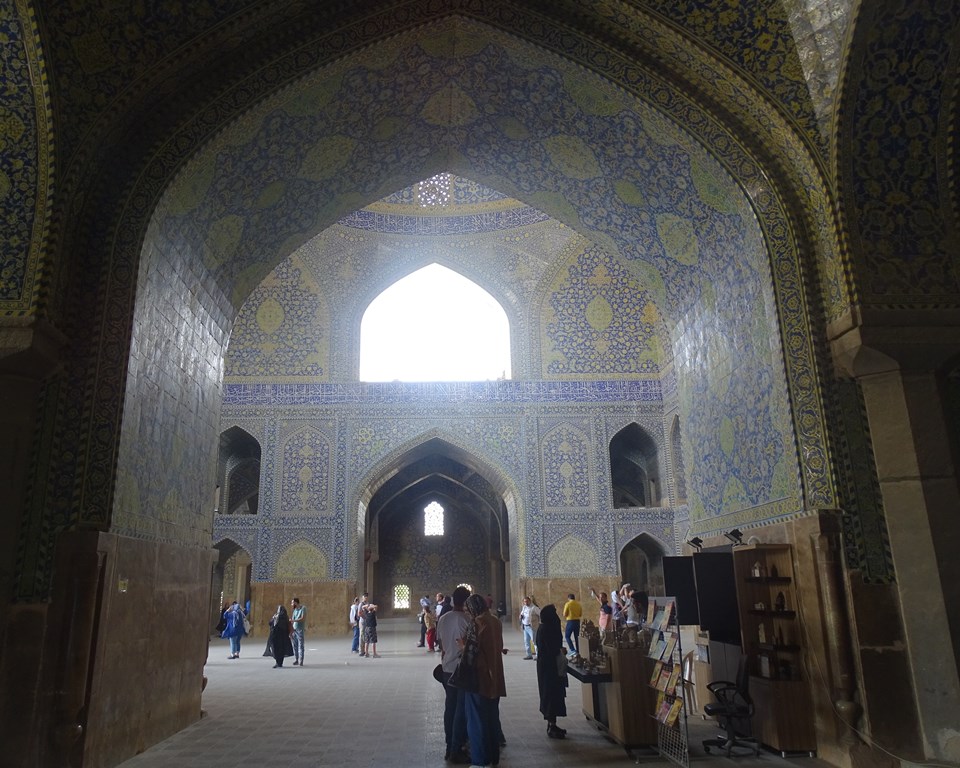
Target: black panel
[
  {"x": 679, "y": 581},
  {"x": 717, "y": 596}
]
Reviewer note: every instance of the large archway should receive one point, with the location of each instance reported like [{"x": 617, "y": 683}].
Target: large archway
[
  {"x": 214, "y": 242},
  {"x": 474, "y": 495}
]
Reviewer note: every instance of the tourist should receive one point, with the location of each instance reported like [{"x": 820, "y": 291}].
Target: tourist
[
  {"x": 298, "y": 615},
  {"x": 572, "y": 613},
  {"x": 233, "y": 630},
  {"x": 550, "y": 682},
  {"x": 355, "y": 625},
  {"x": 529, "y": 622},
  {"x": 451, "y": 628},
  {"x": 482, "y": 707},
  {"x": 280, "y": 636}
]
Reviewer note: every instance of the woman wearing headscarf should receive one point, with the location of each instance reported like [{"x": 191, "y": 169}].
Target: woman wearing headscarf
[
  {"x": 280, "y": 636},
  {"x": 551, "y": 683},
  {"x": 483, "y": 642},
  {"x": 233, "y": 628}
]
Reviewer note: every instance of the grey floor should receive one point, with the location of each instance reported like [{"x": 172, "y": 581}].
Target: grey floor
[{"x": 342, "y": 710}]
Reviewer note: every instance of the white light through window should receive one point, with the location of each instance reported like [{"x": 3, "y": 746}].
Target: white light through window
[
  {"x": 401, "y": 596},
  {"x": 435, "y": 191},
  {"x": 433, "y": 519},
  {"x": 434, "y": 325}
]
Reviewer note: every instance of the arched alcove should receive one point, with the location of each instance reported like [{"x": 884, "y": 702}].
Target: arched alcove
[
  {"x": 634, "y": 469},
  {"x": 231, "y": 577},
  {"x": 641, "y": 564},
  {"x": 238, "y": 472},
  {"x": 475, "y": 546}
]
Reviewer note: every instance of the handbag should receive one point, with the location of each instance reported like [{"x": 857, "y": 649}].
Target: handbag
[
  {"x": 465, "y": 677},
  {"x": 246, "y": 625}
]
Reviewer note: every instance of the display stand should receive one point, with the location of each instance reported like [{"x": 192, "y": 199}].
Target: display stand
[
  {"x": 616, "y": 697},
  {"x": 666, "y": 678}
]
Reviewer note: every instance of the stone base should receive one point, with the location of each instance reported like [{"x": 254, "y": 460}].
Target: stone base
[{"x": 114, "y": 663}]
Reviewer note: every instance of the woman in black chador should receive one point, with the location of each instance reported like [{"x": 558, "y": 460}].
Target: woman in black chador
[
  {"x": 279, "y": 641},
  {"x": 551, "y": 681}
]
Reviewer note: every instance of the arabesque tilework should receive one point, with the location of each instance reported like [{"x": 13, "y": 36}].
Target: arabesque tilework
[{"x": 667, "y": 202}]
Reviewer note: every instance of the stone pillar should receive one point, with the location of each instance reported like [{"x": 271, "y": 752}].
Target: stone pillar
[{"x": 918, "y": 486}]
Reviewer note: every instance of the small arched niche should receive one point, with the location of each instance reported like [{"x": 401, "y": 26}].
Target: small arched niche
[
  {"x": 238, "y": 473},
  {"x": 634, "y": 469}
]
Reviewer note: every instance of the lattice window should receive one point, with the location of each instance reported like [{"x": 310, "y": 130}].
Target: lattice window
[
  {"x": 433, "y": 519},
  {"x": 466, "y": 586},
  {"x": 401, "y": 596},
  {"x": 435, "y": 191}
]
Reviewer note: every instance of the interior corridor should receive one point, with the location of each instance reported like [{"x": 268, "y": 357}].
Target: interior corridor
[{"x": 341, "y": 710}]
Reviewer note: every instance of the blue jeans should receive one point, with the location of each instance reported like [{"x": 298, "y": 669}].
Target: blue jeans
[
  {"x": 572, "y": 635},
  {"x": 235, "y": 645},
  {"x": 454, "y": 718},
  {"x": 482, "y": 729},
  {"x": 297, "y": 638},
  {"x": 528, "y": 645},
  {"x": 356, "y": 638}
]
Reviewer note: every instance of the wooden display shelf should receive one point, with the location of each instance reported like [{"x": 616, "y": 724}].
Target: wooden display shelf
[
  {"x": 772, "y": 640},
  {"x": 622, "y": 706}
]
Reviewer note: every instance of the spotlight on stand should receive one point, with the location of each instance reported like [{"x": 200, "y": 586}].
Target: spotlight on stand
[
  {"x": 696, "y": 542},
  {"x": 735, "y": 536}
]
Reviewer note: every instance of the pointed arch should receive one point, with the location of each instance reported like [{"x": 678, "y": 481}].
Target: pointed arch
[
  {"x": 503, "y": 505},
  {"x": 572, "y": 556},
  {"x": 238, "y": 472},
  {"x": 641, "y": 563},
  {"x": 635, "y": 475},
  {"x": 434, "y": 324},
  {"x": 302, "y": 561}
]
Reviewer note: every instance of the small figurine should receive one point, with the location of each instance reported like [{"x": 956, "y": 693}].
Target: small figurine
[{"x": 781, "y": 602}]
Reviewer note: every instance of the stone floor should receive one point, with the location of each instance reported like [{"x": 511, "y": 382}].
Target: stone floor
[{"x": 341, "y": 710}]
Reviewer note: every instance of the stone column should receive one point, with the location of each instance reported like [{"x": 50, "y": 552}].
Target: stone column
[{"x": 897, "y": 373}]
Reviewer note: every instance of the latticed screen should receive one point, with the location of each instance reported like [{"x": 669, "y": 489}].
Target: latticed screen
[
  {"x": 435, "y": 191},
  {"x": 401, "y": 596},
  {"x": 433, "y": 519}
]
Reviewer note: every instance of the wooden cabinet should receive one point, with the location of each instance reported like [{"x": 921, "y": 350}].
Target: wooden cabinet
[
  {"x": 625, "y": 705},
  {"x": 773, "y": 643}
]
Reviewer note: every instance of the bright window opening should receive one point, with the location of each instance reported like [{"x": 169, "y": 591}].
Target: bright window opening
[
  {"x": 401, "y": 596},
  {"x": 466, "y": 586},
  {"x": 433, "y": 519},
  {"x": 434, "y": 325}
]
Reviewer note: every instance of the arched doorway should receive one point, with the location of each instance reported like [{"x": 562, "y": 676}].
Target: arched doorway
[
  {"x": 231, "y": 578},
  {"x": 641, "y": 564},
  {"x": 401, "y": 548}
]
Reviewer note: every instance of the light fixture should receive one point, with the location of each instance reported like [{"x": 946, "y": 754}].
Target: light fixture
[
  {"x": 696, "y": 542},
  {"x": 735, "y": 535}
]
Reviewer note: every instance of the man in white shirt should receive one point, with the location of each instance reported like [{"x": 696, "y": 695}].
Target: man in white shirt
[
  {"x": 355, "y": 623},
  {"x": 450, "y": 627},
  {"x": 529, "y": 620}
]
